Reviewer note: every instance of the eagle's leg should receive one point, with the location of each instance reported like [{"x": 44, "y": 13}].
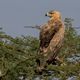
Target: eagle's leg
[
  {"x": 41, "y": 67},
  {"x": 41, "y": 63},
  {"x": 59, "y": 60},
  {"x": 55, "y": 61}
]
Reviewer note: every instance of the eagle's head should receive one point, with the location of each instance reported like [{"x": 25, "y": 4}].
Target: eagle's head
[{"x": 53, "y": 14}]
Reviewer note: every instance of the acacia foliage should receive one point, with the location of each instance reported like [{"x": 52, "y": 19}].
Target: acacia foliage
[{"x": 18, "y": 55}]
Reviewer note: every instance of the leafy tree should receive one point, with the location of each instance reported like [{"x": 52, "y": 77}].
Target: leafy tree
[{"x": 18, "y": 55}]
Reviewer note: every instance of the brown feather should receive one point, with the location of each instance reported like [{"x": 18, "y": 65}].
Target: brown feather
[{"x": 51, "y": 38}]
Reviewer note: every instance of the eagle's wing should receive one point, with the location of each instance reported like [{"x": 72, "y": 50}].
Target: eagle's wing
[
  {"x": 47, "y": 32},
  {"x": 56, "y": 42},
  {"x": 43, "y": 34}
]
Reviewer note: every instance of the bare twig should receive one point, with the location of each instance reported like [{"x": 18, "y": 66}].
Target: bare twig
[
  {"x": 77, "y": 27},
  {"x": 37, "y": 27}
]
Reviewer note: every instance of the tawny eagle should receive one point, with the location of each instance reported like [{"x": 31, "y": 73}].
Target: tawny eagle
[{"x": 51, "y": 38}]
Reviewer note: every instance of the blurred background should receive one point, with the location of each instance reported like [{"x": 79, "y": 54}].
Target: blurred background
[{"x": 15, "y": 14}]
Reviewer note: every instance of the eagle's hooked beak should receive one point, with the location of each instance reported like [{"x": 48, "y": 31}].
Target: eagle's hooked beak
[{"x": 46, "y": 14}]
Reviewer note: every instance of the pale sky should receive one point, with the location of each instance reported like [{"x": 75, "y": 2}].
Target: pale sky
[{"x": 15, "y": 14}]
